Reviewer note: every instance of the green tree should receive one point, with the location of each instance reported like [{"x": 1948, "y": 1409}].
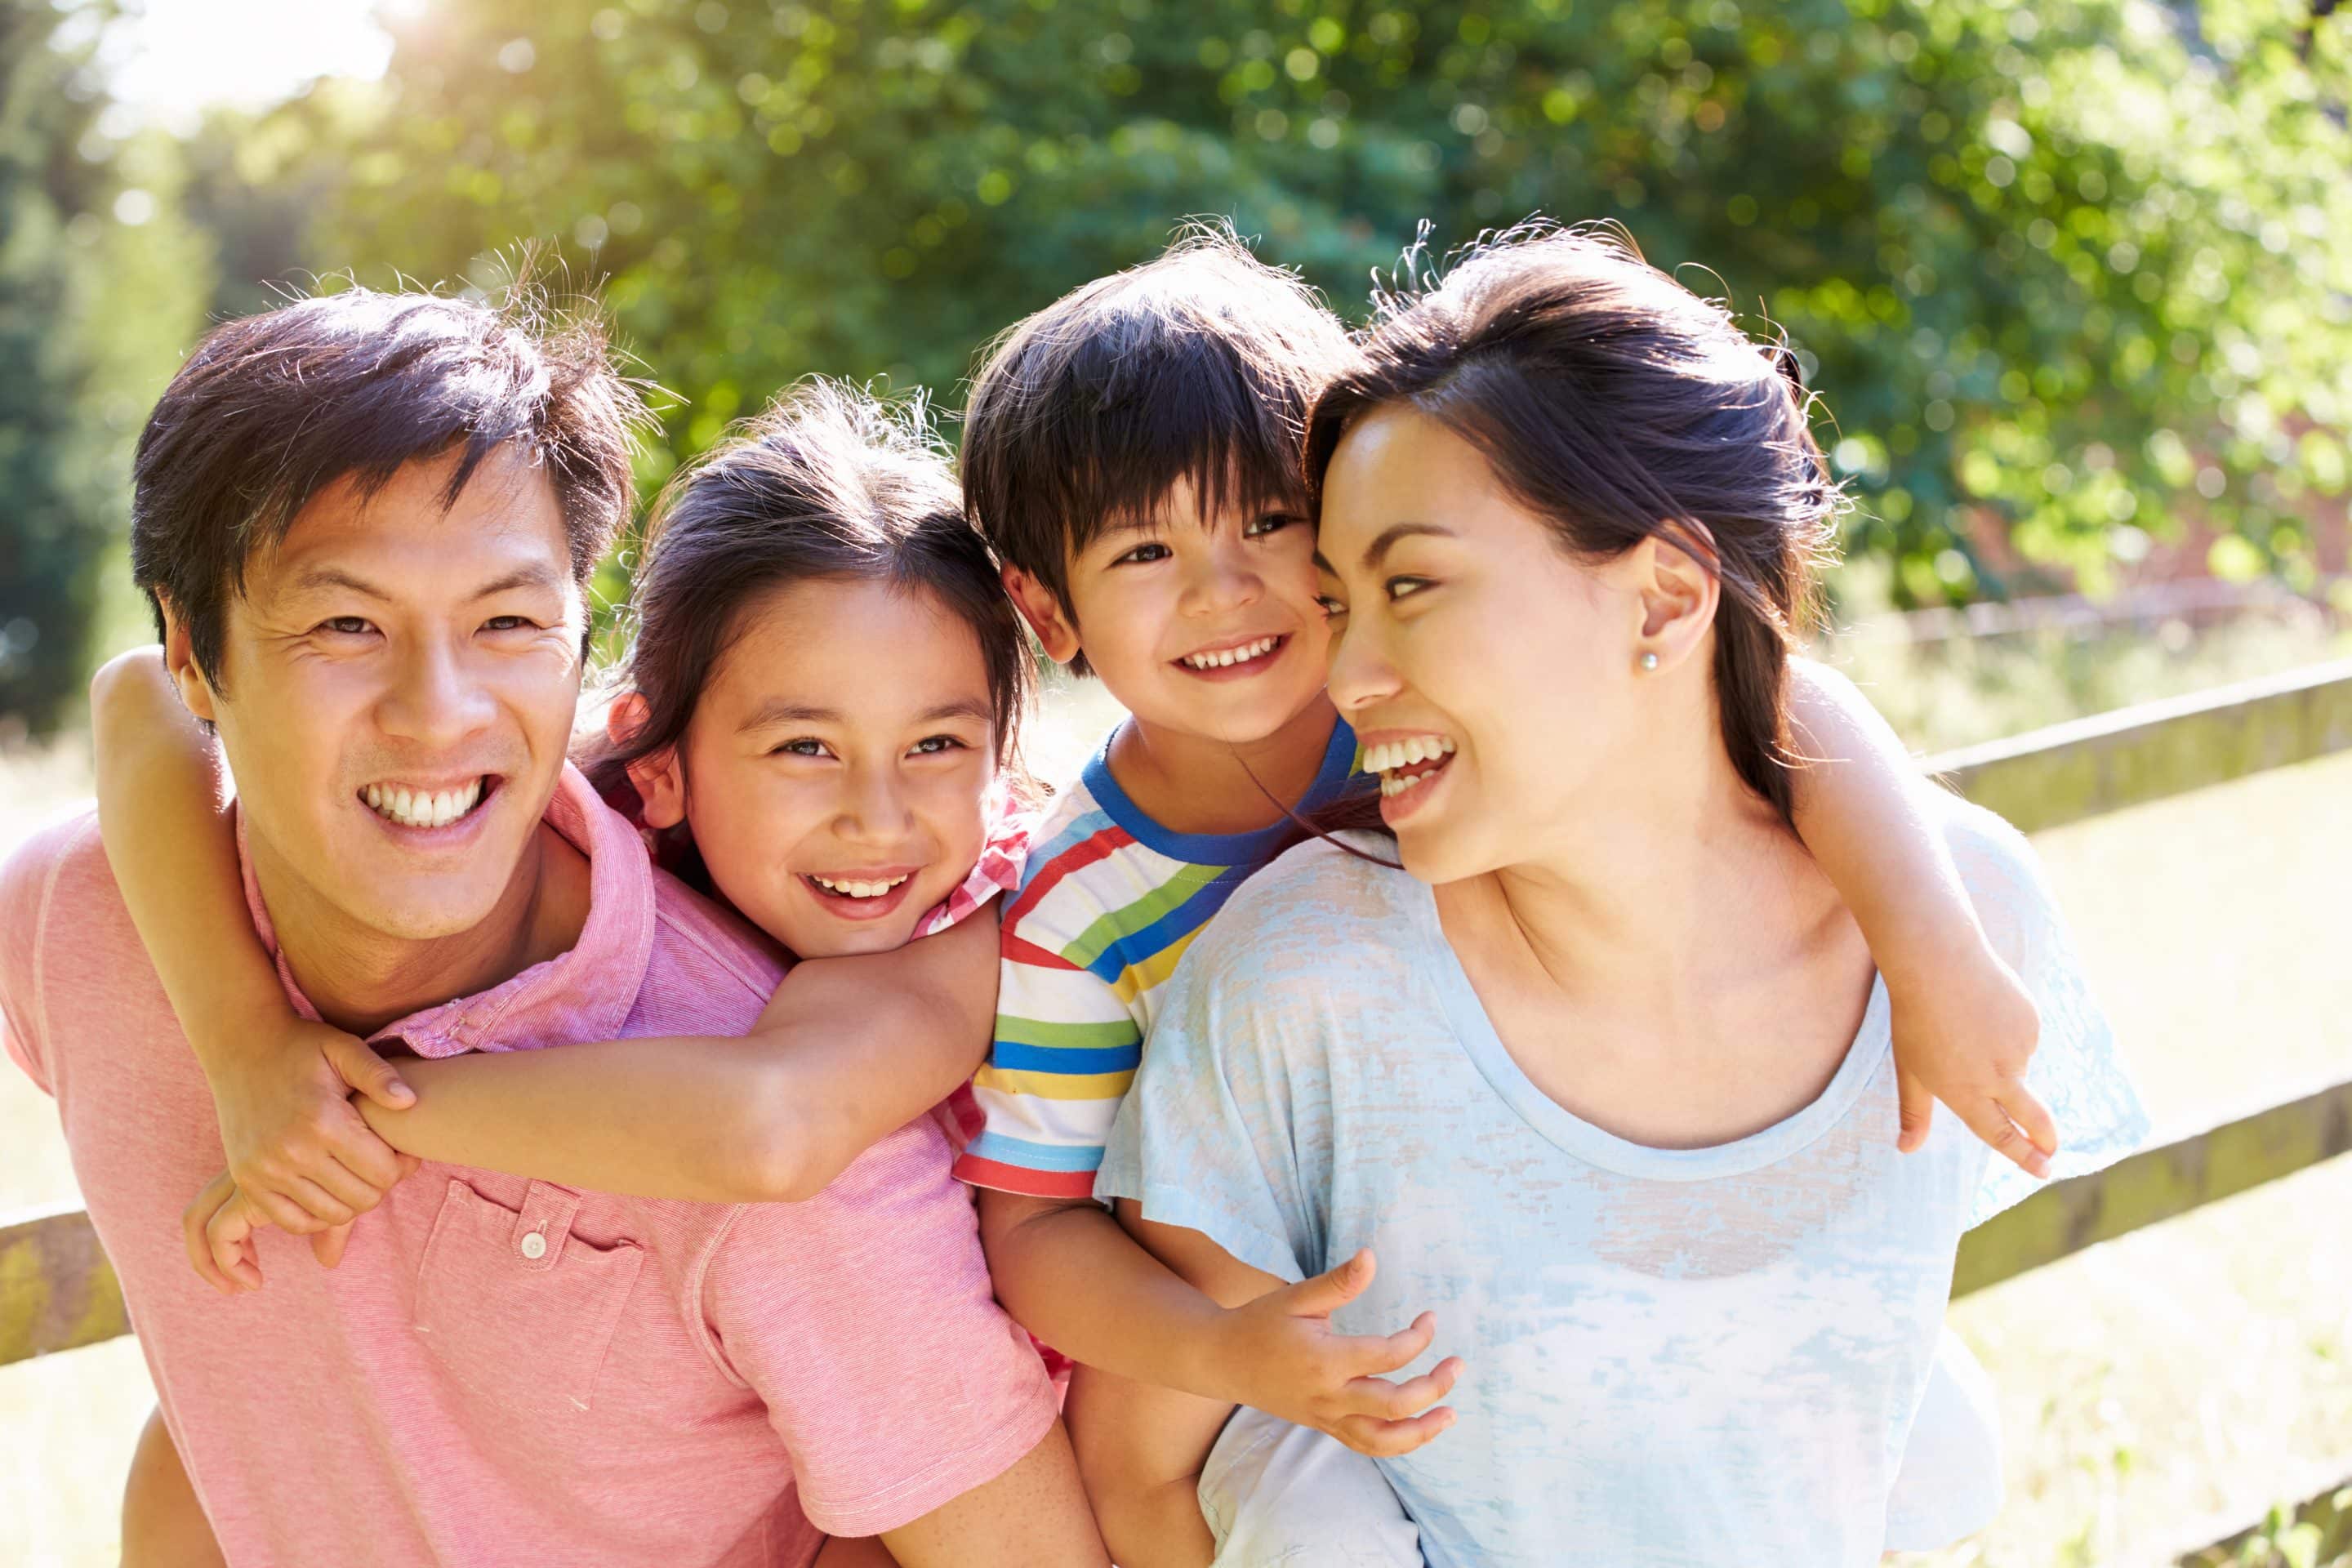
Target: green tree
[{"x": 2069, "y": 270}]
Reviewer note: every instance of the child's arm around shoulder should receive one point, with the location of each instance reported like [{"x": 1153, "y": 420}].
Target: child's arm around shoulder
[
  {"x": 280, "y": 1084},
  {"x": 847, "y": 1051},
  {"x": 1965, "y": 1027}
]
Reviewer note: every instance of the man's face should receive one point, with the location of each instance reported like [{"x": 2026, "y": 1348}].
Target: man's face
[{"x": 400, "y": 684}]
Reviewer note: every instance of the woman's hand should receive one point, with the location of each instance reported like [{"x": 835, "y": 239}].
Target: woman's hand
[
  {"x": 1967, "y": 1038},
  {"x": 299, "y": 1152},
  {"x": 1280, "y": 1356}
]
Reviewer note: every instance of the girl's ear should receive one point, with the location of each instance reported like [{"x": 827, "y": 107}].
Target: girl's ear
[
  {"x": 659, "y": 780},
  {"x": 1042, "y": 608},
  {"x": 1676, "y": 590}
]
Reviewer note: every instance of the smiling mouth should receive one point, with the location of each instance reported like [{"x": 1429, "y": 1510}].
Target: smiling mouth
[
  {"x": 1247, "y": 653},
  {"x": 855, "y": 888},
  {"x": 406, "y": 806},
  {"x": 1405, "y": 765}
]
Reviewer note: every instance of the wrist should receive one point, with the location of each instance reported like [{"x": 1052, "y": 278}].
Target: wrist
[
  {"x": 234, "y": 1057},
  {"x": 1924, "y": 948}
]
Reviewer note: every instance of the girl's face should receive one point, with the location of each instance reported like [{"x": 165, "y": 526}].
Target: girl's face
[
  {"x": 1490, "y": 677},
  {"x": 836, "y": 772}
]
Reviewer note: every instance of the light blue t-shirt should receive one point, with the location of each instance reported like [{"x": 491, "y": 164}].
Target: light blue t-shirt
[{"x": 1674, "y": 1357}]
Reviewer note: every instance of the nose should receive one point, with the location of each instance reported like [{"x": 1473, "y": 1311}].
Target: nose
[
  {"x": 1221, "y": 580},
  {"x": 875, "y": 810},
  {"x": 438, "y": 699},
  {"x": 1360, "y": 673}
]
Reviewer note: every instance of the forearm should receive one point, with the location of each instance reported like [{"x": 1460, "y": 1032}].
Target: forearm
[
  {"x": 1071, "y": 1276},
  {"x": 165, "y": 816},
  {"x": 1872, "y": 824},
  {"x": 1036, "y": 1512}
]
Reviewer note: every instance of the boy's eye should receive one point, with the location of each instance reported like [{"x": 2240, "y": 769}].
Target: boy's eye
[
  {"x": 806, "y": 746},
  {"x": 933, "y": 745},
  {"x": 1401, "y": 587},
  {"x": 1142, "y": 554},
  {"x": 1272, "y": 523},
  {"x": 1331, "y": 608}
]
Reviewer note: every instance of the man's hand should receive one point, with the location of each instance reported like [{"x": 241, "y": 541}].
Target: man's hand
[
  {"x": 299, "y": 1152},
  {"x": 1282, "y": 1358},
  {"x": 1965, "y": 1038}
]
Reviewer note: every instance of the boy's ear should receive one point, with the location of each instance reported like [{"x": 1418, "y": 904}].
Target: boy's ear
[
  {"x": 659, "y": 780},
  {"x": 180, "y": 664},
  {"x": 1677, "y": 591},
  {"x": 1042, "y": 608}
]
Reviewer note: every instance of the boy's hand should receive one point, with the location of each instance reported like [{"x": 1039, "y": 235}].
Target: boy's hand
[
  {"x": 1967, "y": 1038},
  {"x": 297, "y": 1150},
  {"x": 1282, "y": 1358}
]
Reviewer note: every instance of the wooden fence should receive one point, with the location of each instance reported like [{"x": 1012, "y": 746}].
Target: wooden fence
[{"x": 57, "y": 1290}]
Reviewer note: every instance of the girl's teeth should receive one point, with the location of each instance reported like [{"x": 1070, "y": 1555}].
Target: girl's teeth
[{"x": 858, "y": 890}]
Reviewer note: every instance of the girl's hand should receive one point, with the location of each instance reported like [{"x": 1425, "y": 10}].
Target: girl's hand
[
  {"x": 1966, "y": 1037},
  {"x": 1281, "y": 1357},
  {"x": 297, "y": 1150},
  {"x": 219, "y": 1229}
]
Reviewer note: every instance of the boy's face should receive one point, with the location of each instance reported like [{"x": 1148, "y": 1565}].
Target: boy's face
[{"x": 1204, "y": 625}]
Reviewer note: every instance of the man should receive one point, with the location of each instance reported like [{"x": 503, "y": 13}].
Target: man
[{"x": 367, "y": 525}]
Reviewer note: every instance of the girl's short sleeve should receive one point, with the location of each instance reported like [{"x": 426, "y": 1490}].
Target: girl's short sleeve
[
  {"x": 2076, "y": 1068},
  {"x": 1208, "y": 1136}
]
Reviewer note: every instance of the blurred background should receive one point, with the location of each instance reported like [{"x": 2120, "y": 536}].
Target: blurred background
[{"x": 2074, "y": 279}]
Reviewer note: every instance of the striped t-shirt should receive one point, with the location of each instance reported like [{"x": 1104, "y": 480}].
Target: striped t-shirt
[{"x": 1109, "y": 903}]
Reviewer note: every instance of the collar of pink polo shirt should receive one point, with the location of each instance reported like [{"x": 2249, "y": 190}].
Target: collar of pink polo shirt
[{"x": 585, "y": 994}]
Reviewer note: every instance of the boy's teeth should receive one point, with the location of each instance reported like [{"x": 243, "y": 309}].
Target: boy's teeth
[
  {"x": 1223, "y": 657},
  {"x": 1391, "y": 756},
  {"x": 423, "y": 808}
]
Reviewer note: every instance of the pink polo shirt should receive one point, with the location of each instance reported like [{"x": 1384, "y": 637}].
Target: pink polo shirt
[{"x": 512, "y": 1371}]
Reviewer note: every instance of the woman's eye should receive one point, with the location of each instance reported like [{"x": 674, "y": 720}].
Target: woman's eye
[
  {"x": 803, "y": 747},
  {"x": 1401, "y": 587},
  {"x": 1142, "y": 554},
  {"x": 1272, "y": 523},
  {"x": 933, "y": 745}
]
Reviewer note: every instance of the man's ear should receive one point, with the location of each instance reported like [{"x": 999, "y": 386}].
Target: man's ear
[
  {"x": 1678, "y": 591},
  {"x": 1042, "y": 608},
  {"x": 659, "y": 780},
  {"x": 180, "y": 663}
]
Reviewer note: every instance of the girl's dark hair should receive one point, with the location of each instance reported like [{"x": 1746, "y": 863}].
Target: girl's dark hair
[
  {"x": 828, "y": 483},
  {"x": 1619, "y": 407}
]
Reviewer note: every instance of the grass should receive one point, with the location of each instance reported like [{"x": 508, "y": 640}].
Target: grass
[{"x": 2159, "y": 1393}]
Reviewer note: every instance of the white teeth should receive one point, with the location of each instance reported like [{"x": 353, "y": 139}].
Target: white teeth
[
  {"x": 421, "y": 808},
  {"x": 858, "y": 889},
  {"x": 1223, "y": 657},
  {"x": 1391, "y": 756}
]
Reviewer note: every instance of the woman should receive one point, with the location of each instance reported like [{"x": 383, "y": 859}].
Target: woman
[{"x": 1602, "y": 1072}]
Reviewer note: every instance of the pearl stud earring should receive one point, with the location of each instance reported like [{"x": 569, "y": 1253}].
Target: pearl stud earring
[{"x": 1649, "y": 663}]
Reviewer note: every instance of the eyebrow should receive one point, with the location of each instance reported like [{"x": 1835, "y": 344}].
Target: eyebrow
[
  {"x": 779, "y": 710},
  {"x": 538, "y": 574},
  {"x": 1388, "y": 538}
]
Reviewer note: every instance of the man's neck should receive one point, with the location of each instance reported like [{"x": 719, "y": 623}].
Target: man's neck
[
  {"x": 1190, "y": 783},
  {"x": 361, "y": 980}
]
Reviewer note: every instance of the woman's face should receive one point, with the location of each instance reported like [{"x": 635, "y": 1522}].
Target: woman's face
[
  {"x": 836, "y": 772},
  {"x": 1490, "y": 677}
]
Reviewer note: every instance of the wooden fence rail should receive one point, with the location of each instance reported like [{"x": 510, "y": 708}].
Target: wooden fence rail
[{"x": 57, "y": 1291}]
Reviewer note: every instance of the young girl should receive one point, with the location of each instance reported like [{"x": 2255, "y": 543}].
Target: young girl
[
  {"x": 1604, "y": 1070},
  {"x": 818, "y": 726}
]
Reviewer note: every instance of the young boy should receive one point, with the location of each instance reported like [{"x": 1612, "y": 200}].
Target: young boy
[{"x": 1131, "y": 454}]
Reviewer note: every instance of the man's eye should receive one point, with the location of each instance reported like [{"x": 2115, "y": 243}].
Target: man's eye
[
  {"x": 345, "y": 626},
  {"x": 933, "y": 745},
  {"x": 1142, "y": 554},
  {"x": 1401, "y": 587},
  {"x": 805, "y": 746},
  {"x": 508, "y": 622},
  {"x": 1272, "y": 523}
]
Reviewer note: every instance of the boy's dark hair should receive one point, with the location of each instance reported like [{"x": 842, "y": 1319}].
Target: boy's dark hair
[
  {"x": 1201, "y": 364},
  {"x": 271, "y": 409},
  {"x": 828, "y": 483}
]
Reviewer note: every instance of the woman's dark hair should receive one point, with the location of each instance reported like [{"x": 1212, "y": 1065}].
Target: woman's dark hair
[
  {"x": 829, "y": 483},
  {"x": 1619, "y": 407}
]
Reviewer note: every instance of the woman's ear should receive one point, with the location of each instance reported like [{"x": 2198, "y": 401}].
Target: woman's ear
[
  {"x": 1042, "y": 608},
  {"x": 658, "y": 779},
  {"x": 1677, "y": 590}
]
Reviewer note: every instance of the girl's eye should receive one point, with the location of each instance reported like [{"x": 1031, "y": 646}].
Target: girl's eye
[
  {"x": 933, "y": 745},
  {"x": 1401, "y": 587},
  {"x": 1142, "y": 554},
  {"x": 1272, "y": 523},
  {"x": 806, "y": 746}
]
